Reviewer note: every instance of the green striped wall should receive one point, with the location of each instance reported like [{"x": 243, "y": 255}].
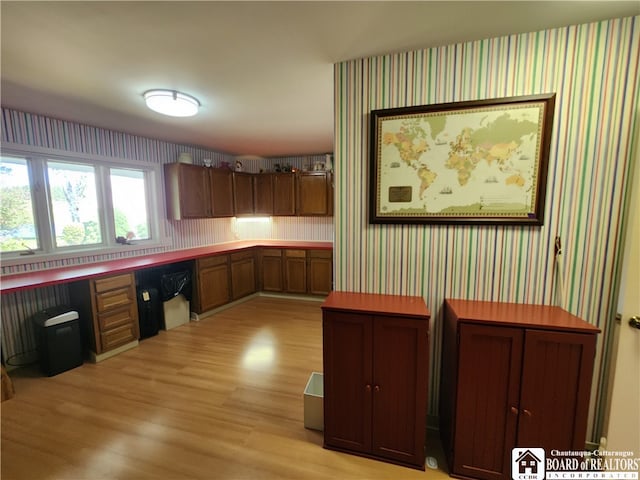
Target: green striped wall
[{"x": 593, "y": 69}]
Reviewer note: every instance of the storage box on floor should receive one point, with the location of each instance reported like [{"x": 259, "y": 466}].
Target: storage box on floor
[
  {"x": 58, "y": 338},
  {"x": 313, "y": 402}
]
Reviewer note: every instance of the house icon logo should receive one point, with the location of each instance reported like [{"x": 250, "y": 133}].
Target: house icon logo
[{"x": 527, "y": 464}]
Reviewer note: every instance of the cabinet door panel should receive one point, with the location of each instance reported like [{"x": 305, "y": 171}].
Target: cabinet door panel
[
  {"x": 243, "y": 278},
  {"x": 312, "y": 194},
  {"x": 295, "y": 271},
  {"x": 213, "y": 287},
  {"x": 320, "y": 273},
  {"x": 400, "y": 371},
  {"x": 221, "y": 192},
  {"x": 284, "y": 194},
  {"x": 556, "y": 381},
  {"x": 263, "y": 193},
  {"x": 272, "y": 273},
  {"x": 347, "y": 381},
  {"x": 194, "y": 192},
  {"x": 489, "y": 367},
  {"x": 243, "y": 193}
]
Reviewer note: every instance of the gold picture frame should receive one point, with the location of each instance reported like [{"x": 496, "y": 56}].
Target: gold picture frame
[{"x": 476, "y": 162}]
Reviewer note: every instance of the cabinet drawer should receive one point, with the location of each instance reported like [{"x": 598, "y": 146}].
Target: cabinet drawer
[
  {"x": 272, "y": 252},
  {"x": 115, "y": 319},
  {"x": 114, "y": 299},
  {"x": 241, "y": 255},
  {"x": 118, "y": 281},
  {"x": 118, "y": 336},
  {"x": 320, "y": 253},
  {"x": 212, "y": 261},
  {"x": 296, "y": 253}
]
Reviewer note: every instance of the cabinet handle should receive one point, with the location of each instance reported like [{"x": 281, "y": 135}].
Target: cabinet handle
[
  {"x": 514, "y": 410},
  {"x": 368, "y": 387},
  {"x": 377, "y": 388},
  {"x": 527, "y": 412}
]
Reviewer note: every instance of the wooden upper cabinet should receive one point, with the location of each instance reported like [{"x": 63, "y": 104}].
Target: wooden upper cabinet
[
  {"x": 263, "y": 194},
  {"x": 284, "y": 194},
  {"x": 314, "y": 194},
  {"x": 188, "y": 191},
  {"x": 221, "y": 192},
  {"x": 243, "y": 193}
]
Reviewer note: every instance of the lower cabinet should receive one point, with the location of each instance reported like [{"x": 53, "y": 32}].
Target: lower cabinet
[
  {"x": 512, "y": 376},
  {"x": 376, "y": 364},
  {"x": 243, "y": 275},
  {"x": 109, "y": 303},
  {"x": 296, "y": 271},
  {"x": 271, "y": 269},
  {"x": 211, "y": 278},
  {"x": 320, "y": 274}
]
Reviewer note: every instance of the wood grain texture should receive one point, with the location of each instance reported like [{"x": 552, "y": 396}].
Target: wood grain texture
[{"x": 216, "y": 399}]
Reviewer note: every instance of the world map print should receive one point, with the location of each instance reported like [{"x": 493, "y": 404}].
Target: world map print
[{"x": 481, "y": 161}]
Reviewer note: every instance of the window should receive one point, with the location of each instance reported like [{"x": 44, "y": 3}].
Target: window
[
  {"x": 57, "y": 203},
  {"x": 17, "y": 226},
  {"x": 128, "y": 195},
  {"x": 74, "y": 204}
]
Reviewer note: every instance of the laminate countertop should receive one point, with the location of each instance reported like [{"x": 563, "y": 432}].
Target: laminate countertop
[{"x": 43, "y": 278}]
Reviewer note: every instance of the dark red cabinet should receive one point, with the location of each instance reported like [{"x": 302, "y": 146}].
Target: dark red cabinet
[
  {"x": 512, "y": 376},
  {"x": 375, "y": 376}
]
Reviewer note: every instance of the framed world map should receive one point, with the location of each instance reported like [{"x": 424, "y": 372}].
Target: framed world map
[{"x": 464, "y": 162}]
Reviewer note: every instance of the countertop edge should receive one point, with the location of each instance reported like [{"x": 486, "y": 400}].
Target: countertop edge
[{"x": 43, "y": 278}]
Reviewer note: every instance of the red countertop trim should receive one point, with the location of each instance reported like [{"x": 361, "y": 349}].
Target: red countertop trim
[
  {"x": 43, "y": 278},
  {"x": 406, "y": 306}
]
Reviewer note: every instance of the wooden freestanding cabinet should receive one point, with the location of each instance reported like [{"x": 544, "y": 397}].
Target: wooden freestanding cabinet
[
  {"x": 375, "y": 353},
  {"x": 513, "y": 375}
]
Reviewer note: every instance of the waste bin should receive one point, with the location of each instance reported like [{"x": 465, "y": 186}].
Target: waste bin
[
  {"x": 58, "y": 339},
  {"x": 149, "y": 311},
  {"x": 313, "y": 402},
  {"x": 174, "y": 303}
]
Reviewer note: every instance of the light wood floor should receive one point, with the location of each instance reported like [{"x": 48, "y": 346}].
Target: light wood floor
[{"x": 217, "y": 399}]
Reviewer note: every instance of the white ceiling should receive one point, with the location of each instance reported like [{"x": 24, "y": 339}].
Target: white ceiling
[{"x": 262, "y": 70}]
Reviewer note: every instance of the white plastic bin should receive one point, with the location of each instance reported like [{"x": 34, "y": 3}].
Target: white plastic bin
[
  {"x": 313, "y": 398},
  {"x": 176, "y": 312}
]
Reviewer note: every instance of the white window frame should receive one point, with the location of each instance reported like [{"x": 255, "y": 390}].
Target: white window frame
[{"x": 36, "y": 160}]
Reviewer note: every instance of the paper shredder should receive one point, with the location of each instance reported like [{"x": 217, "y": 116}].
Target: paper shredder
[{"x": 58, "y": 338}]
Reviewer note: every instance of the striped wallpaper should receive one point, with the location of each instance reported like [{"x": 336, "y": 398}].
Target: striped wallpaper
[
  {"x": 593, "y": 69},
  {"x": 21, "y": 128}
]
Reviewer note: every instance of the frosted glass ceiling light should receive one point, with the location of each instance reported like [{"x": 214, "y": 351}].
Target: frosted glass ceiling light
[{"x": 172, "y": 103}]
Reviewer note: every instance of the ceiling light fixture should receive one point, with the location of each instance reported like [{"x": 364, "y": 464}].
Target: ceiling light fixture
[{"x": 171, "y": 102}]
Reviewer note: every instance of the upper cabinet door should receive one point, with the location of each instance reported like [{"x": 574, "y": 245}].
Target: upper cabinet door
[
  {"x": 313, "y": 191},
  {"x": 284, "y": 194},
  {"x": 243, "y": 193},
  {"x": 221, "y": 192},
  {"x": 188, "y": 191},
  {"x": 263, "y": 194}
]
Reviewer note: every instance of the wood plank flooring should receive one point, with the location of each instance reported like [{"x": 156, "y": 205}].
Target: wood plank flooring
[{"x": 217, "y": 399}]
